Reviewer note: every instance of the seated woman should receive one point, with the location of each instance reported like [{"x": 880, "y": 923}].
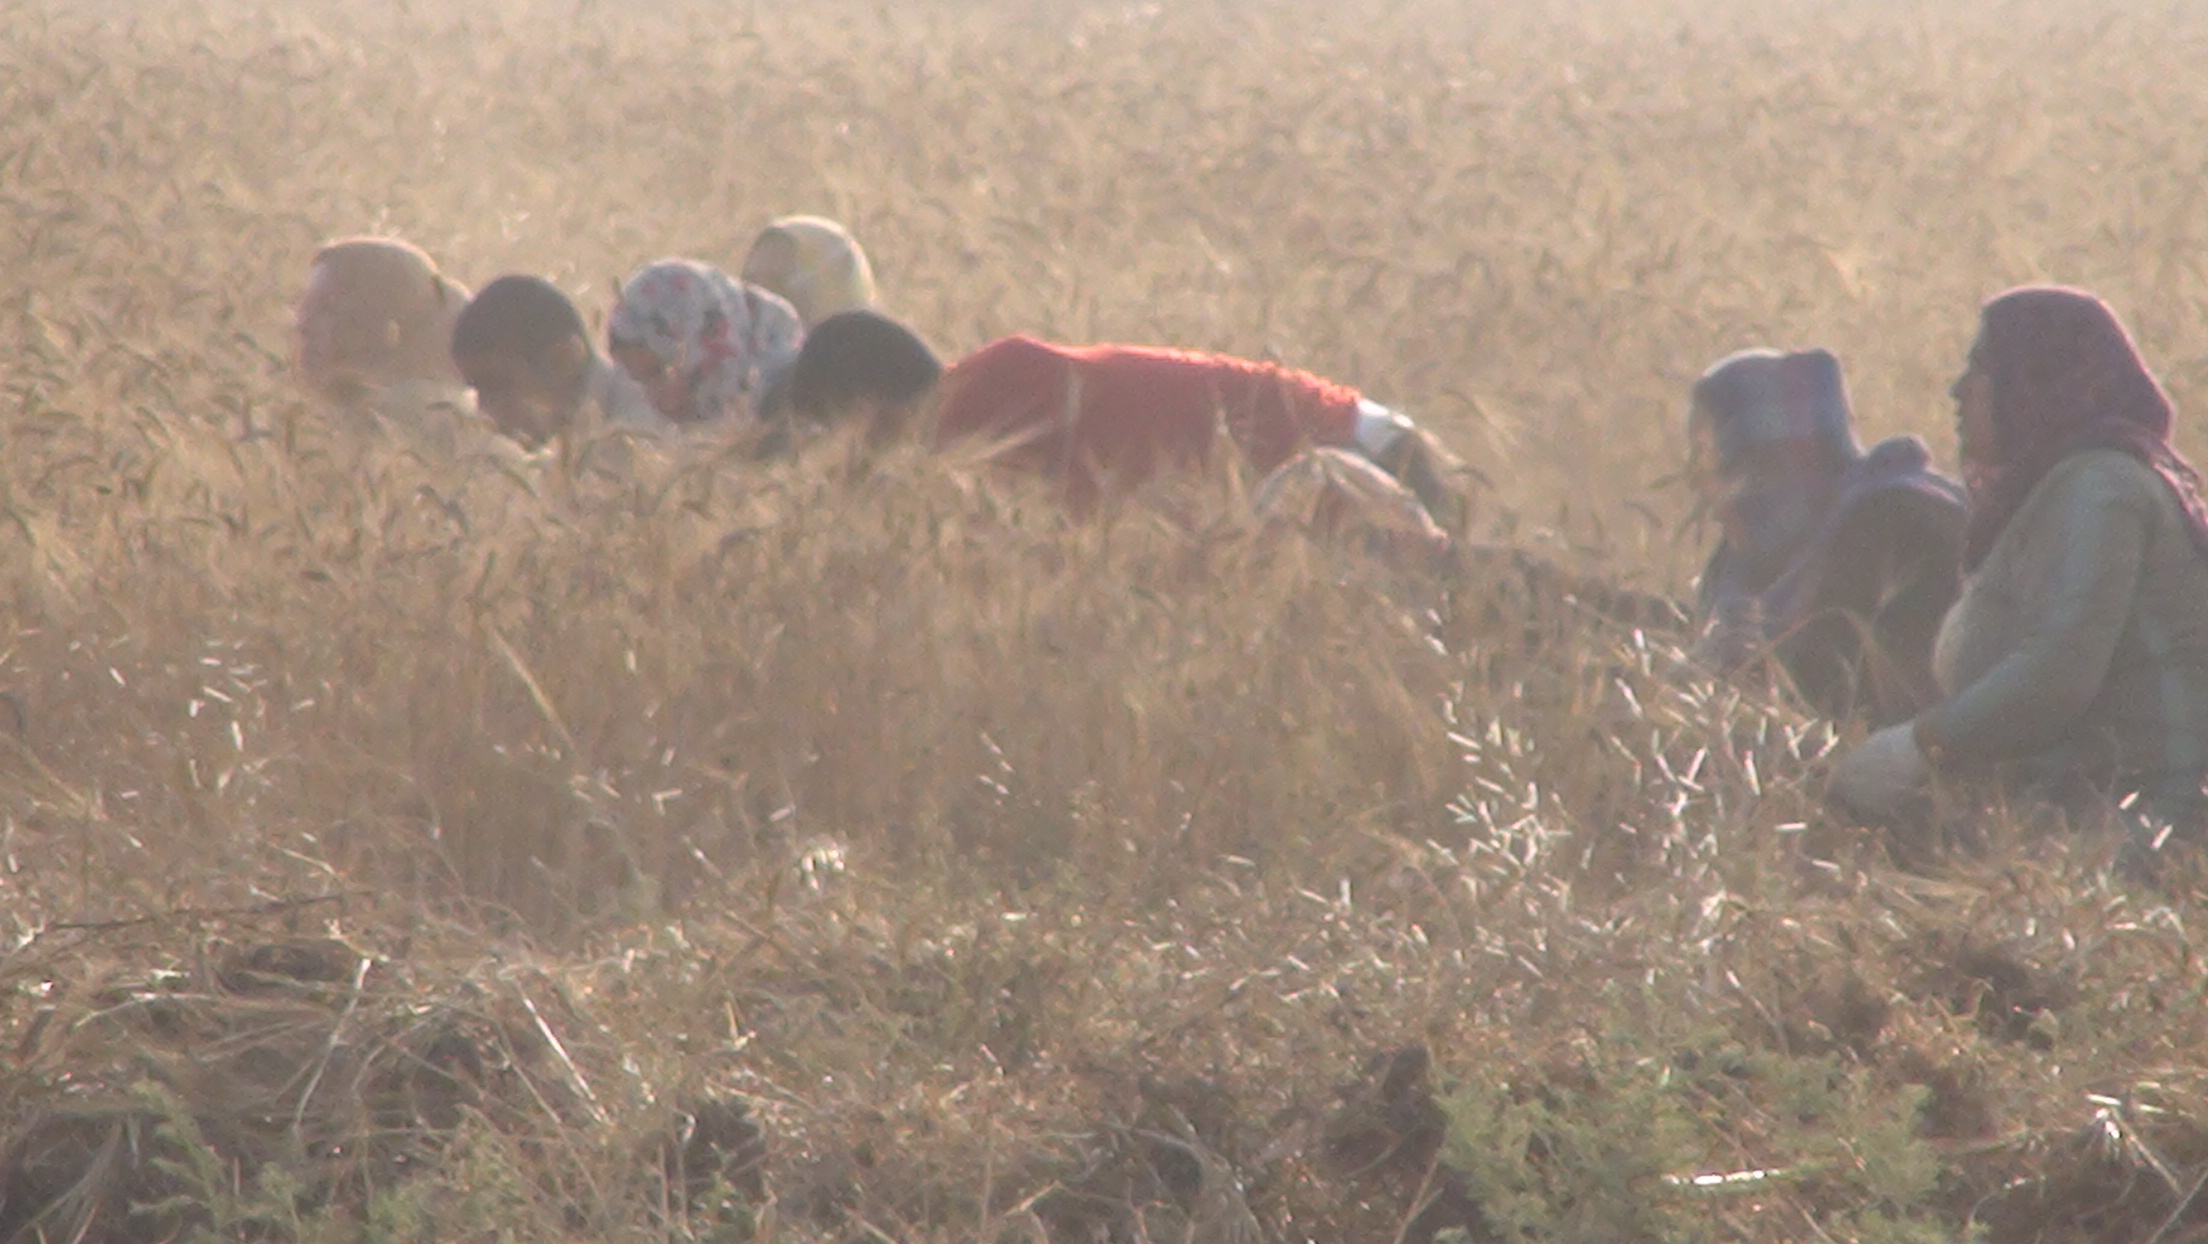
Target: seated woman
[
  {"x": 522, "y": 346},
  {"x": 1104, "y": 420},
  {"x": 376, "y": 314},
  {"x": 1838, "y": 562},
  {"x": 706, "y": 347},
  {"x": 814, "y": 264},
  {"x": 2075, "y": 666}
]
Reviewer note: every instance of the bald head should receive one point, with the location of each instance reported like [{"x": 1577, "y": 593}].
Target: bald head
[{"x": 376, "y": 312}]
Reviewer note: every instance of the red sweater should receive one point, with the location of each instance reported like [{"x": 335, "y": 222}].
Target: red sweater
[{"x": 1107, "y": 418}]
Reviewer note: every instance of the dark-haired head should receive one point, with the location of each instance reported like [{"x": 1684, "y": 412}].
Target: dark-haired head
[
  {"x": 860, "y": 366},
  {"x": 522, "y": 346}
]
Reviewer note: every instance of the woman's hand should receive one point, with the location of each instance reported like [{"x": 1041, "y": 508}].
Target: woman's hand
[{"x": 1879, "y": 777}]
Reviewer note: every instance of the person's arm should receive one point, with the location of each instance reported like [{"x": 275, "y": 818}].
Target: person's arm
[
  {"x": 1728, "y": 620},
  {"x": 1546, "y": 581},
  {"x": 2092, "y": 537}
]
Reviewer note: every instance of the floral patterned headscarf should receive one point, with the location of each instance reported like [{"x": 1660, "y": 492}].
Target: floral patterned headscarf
[{"x": 722, "y": 342}]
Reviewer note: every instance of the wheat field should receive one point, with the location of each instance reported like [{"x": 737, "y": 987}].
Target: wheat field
[{"x": 400, "y": 846}]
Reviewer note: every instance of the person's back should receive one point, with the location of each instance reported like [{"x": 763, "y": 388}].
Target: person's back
[
  {"x": 1109, "y": 418},
  {"x": 1104, "y": 420},
  {"x": 1887, "y": 576}
]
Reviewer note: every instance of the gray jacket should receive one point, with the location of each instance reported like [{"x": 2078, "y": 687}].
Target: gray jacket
[{"x": 2079, "y": 648}]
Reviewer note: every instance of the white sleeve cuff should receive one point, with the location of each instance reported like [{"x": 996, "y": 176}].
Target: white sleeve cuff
[{"x": 1379, "y": 429}]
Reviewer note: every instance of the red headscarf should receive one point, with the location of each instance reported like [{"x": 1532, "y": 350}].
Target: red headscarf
[{"x": 2066, "y": 378}]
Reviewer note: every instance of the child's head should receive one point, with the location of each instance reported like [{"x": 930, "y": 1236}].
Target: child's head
[
  {"x": 375, "y": 312},
  {"x": 522, "y": 346},
  {"x": 862, "y": 366},
  {"x": 815, "y": 264}
]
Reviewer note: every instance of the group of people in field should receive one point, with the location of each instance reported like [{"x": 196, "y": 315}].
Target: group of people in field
[{"x": 2041, "y": 622}]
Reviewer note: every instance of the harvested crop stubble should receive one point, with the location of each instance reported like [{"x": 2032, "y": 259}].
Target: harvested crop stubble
[{"x": 301, "y": 1072}]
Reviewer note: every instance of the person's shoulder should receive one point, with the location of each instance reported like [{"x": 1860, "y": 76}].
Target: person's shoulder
[
  {"x": 1016, "y": 361},
  {"x": 768, "y": 305},
  {"x": 2111, "y": 470},
  {"x": 1017, "y": 348},
  {"x": 2102, "y": 482},
  {"x": 2096, "y": 478},
  {"x": 1905, "y": 499},
  {"x": 614, "y": 400},
  {"x": 1019, "y": 343},
  {"x": 1910, "y": 523},
  {"x": 1911, "y": 505}
]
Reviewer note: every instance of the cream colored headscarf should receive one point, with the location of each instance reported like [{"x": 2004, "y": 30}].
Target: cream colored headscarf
[
  {"x": 376, "y": 313},
  {"x": 814, "y": 263}
]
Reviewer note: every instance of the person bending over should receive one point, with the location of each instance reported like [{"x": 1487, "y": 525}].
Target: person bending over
[
  {"x": 1103, "y": 420},
  {"x": 2075, "y": 666},
  {"x": 1837, "y": 561}
]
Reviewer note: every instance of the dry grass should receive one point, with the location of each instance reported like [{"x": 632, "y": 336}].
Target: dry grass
[{"x": 852, "y": 849}]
